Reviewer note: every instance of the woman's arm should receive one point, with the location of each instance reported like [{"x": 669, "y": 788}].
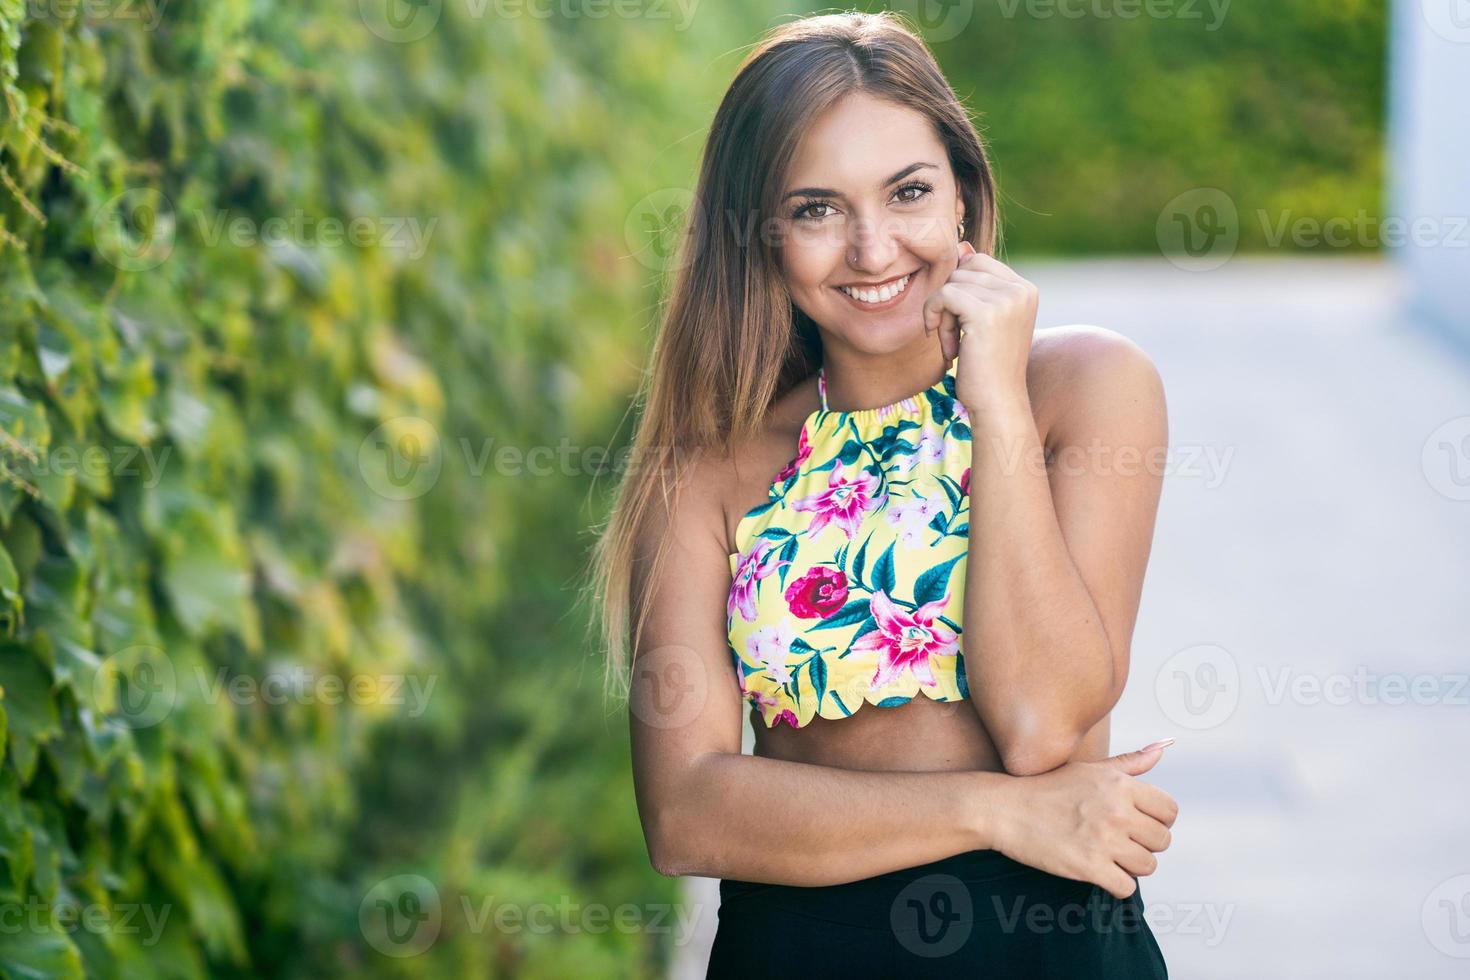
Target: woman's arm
[
  {"x": 1057, "y": 556},
  {"x": 707, "y": 809}
]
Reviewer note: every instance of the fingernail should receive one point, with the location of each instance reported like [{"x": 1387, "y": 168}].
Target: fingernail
[{"x": 1159, "y": 744}]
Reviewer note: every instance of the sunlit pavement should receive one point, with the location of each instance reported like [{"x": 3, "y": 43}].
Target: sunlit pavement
[{"x": 1304, "y": 624}]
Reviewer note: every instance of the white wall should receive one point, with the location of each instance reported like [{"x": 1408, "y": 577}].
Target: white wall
[{"x": 1429, "y": 157}]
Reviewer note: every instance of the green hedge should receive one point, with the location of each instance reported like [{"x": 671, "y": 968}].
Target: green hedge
[
  {"x": 237, "y": 515},
  {"x": 1098, "y": 122}
]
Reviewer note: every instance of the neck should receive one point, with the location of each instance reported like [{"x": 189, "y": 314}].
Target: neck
[{"x": 857, "y": 381}]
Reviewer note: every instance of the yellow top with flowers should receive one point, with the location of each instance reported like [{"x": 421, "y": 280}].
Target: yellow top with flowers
[{"x": 848, "y": 583}]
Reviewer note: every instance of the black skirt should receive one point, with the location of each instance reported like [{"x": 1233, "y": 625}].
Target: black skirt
[{"x": 979, "y": 914}]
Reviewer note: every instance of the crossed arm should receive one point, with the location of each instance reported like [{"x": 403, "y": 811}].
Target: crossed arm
[
  {"x": 1058, "y": 550},
  {"x": 1057, "y": 572}
]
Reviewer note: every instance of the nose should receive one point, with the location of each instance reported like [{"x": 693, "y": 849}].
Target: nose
[{"x": 871, "y": 247}]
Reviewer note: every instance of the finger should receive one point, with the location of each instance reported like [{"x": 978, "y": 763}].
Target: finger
[
  {"x": 941, "y": 312},
  {"x": 1115, "y": 880},
  {"x": 1155, "y": 802},
  {"x": 1136, "y": 859},
  {"x": 989, "y": 280},
  {"x": 1150, "y": 833},
  {"x": 988, "y": 263}
]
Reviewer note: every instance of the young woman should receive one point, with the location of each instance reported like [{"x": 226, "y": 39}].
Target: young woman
[{"x": 870, "y": 501}]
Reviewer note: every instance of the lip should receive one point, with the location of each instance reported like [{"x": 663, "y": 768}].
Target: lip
[{"x": 887, "y": 304}]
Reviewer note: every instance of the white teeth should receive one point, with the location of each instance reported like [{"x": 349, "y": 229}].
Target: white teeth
[{"x": 878, "y": 295}]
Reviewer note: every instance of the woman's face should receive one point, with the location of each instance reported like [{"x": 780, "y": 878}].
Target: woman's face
[{"x": 870, "y": 200}]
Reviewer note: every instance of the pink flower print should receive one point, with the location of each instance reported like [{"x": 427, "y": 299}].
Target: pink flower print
[
  {"x": 754, "y": 565},
  {"x": 929, "y": 449},
  {"x": 960, "y": 411},
  {"x": 759, "y": 697},
  {"x": 843, "y": 503},
  {"x": 803, "y": 452},
  {"x": 788, "y": 716},
  {"x": 817, "y": 594},
  {"x": 911, "y": 515},
  {"x": 770, "y": 645},
  {"x": 965, "y": 481},
  {"x": 909, "y": 404},
  {"x": 907, "y": 639}
]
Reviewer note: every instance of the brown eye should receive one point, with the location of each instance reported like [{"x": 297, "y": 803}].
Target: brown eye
[
  {"x": 801, "y": 214},
  {"x": 919, "y": 187}
]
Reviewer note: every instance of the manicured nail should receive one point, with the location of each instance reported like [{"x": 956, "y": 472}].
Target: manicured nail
[{"x": 1159, "y": 744}]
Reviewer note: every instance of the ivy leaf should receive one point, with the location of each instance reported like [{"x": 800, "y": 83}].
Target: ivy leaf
[
  {"x": 38, "y": 952},
  {"x": 30, "y": 710}
]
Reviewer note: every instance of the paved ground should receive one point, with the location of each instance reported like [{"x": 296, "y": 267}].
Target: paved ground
[{"x": 1304, "y": 622}]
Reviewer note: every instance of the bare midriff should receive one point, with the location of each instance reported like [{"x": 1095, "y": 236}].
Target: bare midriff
[{"x": 920, "y": 736}]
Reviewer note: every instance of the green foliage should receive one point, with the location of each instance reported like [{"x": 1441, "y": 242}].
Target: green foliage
[
  {"x": 195, "y": 496},
  {"x": 1097, "y": 120}
]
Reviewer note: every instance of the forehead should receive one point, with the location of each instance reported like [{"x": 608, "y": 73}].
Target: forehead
[{"x": 860, "y": 142}]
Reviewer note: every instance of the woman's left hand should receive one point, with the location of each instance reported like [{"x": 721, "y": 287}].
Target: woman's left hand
[{"x": 985, "y": 315}]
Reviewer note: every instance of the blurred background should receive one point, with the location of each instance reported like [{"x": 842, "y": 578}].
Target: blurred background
[{"x": 319, "y": 328}]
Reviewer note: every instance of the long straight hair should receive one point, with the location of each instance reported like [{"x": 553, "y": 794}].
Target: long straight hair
[{"x": 731, "y": 341}]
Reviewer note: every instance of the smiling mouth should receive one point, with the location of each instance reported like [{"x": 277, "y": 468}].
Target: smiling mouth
[{"x": 879, "y": 296}]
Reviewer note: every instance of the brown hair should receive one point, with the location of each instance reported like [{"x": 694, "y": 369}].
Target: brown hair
[{"x": 731, "y": 341}]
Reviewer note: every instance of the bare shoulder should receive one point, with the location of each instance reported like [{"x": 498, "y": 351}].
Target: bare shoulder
[
  {"x": 713, "y": 490},
  {"x": 1080, "y": 373},
  {"x": 747, "y": 473}
]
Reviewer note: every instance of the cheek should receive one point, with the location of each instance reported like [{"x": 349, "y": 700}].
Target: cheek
[{"x": 807, "y": 267}]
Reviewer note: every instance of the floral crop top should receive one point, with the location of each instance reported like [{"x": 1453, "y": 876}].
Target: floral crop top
[{"x": 849, "y": 581}]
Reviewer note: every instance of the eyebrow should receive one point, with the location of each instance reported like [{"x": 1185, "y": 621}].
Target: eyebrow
[{"x": 829, "y": 192}]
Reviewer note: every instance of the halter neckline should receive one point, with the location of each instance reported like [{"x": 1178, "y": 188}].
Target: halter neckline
[{"x": 938, "y": 386}]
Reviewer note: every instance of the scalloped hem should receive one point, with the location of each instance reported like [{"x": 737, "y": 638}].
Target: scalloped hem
[{"x": 832, "y": 707}]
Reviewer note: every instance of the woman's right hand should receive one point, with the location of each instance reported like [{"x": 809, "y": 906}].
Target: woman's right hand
[{"x": 1089, "y": 821}]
